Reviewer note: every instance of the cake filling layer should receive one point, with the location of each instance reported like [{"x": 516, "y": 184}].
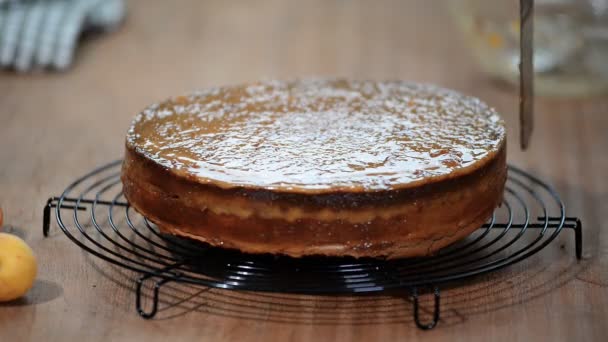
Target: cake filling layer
[{"x": 466, "y": 191}]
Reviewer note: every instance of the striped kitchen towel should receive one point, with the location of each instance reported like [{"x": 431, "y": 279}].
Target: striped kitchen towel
[{"x": 45, "y": 33}]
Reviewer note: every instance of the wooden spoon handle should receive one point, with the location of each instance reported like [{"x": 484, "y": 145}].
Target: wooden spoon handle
[{"x": 526, "y": 71}]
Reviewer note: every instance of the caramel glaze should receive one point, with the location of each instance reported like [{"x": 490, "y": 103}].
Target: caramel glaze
[
  {"x": 317, "y": 136},
  {"x": 380, "y": 169}
]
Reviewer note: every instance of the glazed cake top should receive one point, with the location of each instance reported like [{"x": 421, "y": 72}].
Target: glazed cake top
[{"x": 319, "y": 135}]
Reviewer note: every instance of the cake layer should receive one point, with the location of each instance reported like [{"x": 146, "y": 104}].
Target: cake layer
[{"x": 410, "y": 222}]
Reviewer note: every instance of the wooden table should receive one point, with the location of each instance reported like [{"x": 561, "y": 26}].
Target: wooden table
[{"x": 55, "y": 127}]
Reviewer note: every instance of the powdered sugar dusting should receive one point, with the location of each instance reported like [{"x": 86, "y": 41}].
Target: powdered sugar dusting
[{"x": 318, "y": 134}]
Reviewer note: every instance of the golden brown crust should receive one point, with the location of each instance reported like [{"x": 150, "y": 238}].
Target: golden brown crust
[{"x": 428, "y": 218}]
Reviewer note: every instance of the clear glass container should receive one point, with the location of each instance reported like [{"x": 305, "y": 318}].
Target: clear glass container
[{"x": 570, "y": 42}]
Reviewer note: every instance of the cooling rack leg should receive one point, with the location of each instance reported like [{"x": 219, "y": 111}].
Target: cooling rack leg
[
  {"x": 46, "y": 216},
  {"x": 435, "y": 320},
  {"x": 165, "y": 276},
  {"x": 52, "y": 203},
  {"x": 157, "y": 286}
]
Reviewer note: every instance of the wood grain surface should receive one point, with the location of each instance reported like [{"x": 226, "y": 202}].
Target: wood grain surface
[{"x": 57, "y": 126}]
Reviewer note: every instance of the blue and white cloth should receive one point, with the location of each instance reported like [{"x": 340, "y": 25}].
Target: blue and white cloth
[{"x": 44, "y": 33}]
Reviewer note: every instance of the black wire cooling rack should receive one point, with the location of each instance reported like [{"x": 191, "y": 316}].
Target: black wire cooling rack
[{"x": 93, "y": 213}]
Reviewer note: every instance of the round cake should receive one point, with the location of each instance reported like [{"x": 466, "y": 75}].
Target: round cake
[{"x": 318, "y": 167}]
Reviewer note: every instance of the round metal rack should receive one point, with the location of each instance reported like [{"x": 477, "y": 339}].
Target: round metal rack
[{"x": 93, "y": 213}]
